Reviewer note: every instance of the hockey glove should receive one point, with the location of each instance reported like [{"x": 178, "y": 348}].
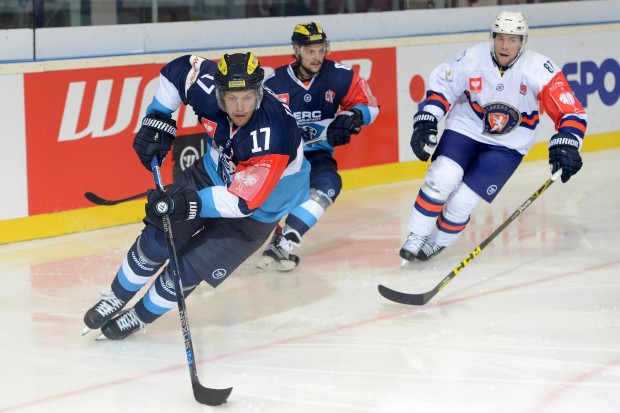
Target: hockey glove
[
  {"x": 346, "y": 123},
  {"x": 184, "y": 204},
  {"x": 424, "y": 133},
  {"x": 564, "y": 153},
  {"x": 154, "y": 138}
]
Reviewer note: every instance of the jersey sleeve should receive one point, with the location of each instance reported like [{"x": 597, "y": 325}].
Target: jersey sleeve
[
  {"x": 560, "y": 103},
  {"x": 443, "y": 87},
  {"x": 359, "y": 96}
]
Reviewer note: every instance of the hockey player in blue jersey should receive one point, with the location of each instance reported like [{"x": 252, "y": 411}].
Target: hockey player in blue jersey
[
  {"x": 225, "y": 206},
  {"x": 330, "y": 100}
]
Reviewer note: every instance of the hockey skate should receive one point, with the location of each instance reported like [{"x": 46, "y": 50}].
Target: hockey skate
[
  {"x": 122, "y": 326},
  {"x": 278, "y": 255},
  {"x": 411, "y": 247},
  {"x": 429, "y": 250},
  {"x": 107, "y": 307}
]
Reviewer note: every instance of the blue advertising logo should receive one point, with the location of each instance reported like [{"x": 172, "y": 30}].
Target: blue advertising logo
[{"x": 589, "y": 78}]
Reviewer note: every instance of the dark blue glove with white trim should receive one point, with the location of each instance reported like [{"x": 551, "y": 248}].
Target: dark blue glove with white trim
[
  {"x": 154, "y": 138},
  {"x": 347, "y": 123},
  {"x": 424, "y": 133},
  {"x": 182, "y": 205},
  {"x": 564, "y": 153}
]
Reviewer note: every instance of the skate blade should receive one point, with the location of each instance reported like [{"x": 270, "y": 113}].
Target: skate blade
[
  {"x": 101, "y": 338},
  {"x": 404, "y": 263},
  {"x": 270, "y": 264},
  {"x": 86, "y": 330},
  {"x": 265, "y": 263}
]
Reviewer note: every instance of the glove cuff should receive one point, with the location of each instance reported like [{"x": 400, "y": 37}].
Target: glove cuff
[
  {"x": 564, "y": 139},
  {"x": 160, "y": 123},
  {"x": 423, "y": 116}
]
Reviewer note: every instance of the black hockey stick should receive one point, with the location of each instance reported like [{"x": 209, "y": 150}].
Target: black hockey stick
[
  {"x": 423, "y": 298},
  {"x": 204, "y": 395},
  {"x": 96, "y": 199}
]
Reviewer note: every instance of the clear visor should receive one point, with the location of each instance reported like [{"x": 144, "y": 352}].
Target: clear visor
[
  {"x": 313, "y": 50},
  {"x": 227, "y": 98}
]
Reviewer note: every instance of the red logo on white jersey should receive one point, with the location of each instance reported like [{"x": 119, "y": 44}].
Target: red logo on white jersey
[
  {"x": 330, "y": 95},
  {"x": 210, "y": 127},
  {"x": 475, "y": 84}
]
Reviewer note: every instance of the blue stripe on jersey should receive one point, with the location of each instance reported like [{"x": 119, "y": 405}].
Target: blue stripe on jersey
[
  {"x": 365, "y": 112},
  {"x": 208, "y": 209},
  {"x": 281, "y": 201},
  {"x": 157, "y": 106}
]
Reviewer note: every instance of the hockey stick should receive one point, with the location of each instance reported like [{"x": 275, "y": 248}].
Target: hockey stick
[
  {"x": 421, "y": 299},
  {"x": 204, "y": 395},
  {"x": 97, "y": 200}
]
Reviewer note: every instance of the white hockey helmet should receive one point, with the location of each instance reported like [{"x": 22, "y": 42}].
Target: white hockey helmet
[{"x": 510, "y": 22}]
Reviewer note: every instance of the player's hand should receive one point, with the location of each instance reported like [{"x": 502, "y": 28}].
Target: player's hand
[
  {"x": 347, "y": 122},
  {"x": 182, "y": 205},
  {"x": 154, "y": 138},
  {"x": 564, "y": 153},
  {"x": 424, "y": 133}
]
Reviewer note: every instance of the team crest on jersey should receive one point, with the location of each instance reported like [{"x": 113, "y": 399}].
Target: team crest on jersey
[
  {"x": 500, "y": 118},
  {"x": 307, "y": 98},
  {"x": 523, "y": 89},
  {"x": 475, "y": 84},
  {"x": 563, "y": 96},
  {"x": 284, "y": 98},
  {"x": 330, "y": 95},
  {"x": 210, "y": 127}
]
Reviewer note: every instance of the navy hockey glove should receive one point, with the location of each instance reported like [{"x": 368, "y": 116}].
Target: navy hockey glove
[
  {"x": 424, "y": 133},
  {"x": 564, "y": 153},
  {"x": 154, "y": 138},
  {"x": 184, "y": 204},
  {"x": 346, "y": 123}
]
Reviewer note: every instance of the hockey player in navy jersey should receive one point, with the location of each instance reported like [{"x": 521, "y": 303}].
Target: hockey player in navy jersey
[
  {"x": 491, "y": 94},
  {"x": 225, "y": 206},
  {"x": 330, "y": 100}
]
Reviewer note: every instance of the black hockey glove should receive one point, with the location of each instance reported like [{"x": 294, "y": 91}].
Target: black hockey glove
[
  {"x": 346, "y": 123},
  {"x": 564, "y": 153},
  {"x": 154, "y": 138},
  {"x": 184, "y": 204},
  {"x": 424, "y": 133}
]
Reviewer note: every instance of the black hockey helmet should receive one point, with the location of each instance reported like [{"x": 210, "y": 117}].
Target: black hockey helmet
[
  {"x": 308, "y": 33},
  {"x": 238, "y": 71}
]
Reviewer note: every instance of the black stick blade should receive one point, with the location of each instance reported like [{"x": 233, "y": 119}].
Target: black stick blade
[
  {"x": 210, "y": 397},
  {"x": 97, "y": 200},
  {"x": 404, "y": 298}
]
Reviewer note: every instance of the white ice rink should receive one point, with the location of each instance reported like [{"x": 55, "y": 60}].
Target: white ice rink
[{"x": 531, "y": 325}]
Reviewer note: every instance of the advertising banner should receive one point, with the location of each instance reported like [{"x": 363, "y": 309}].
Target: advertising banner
[{"x": 80, "y": 126}]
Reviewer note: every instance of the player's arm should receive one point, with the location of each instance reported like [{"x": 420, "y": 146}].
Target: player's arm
[
  {"x": 570, "y": 120},
  {"x": 439, "y": 98},
  {"x": 358, "y": 108}
]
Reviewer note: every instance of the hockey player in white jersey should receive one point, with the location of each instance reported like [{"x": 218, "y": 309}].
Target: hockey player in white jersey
[{"x": 491, "y": 94}]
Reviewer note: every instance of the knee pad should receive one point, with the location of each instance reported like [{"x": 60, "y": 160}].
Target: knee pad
[
  {"x": 461, "y": 204},
  {"x": 321, "y": 198},
  {"x": 442, "y": 178},
  {"x": 326, "y": 182},
  {"x": 151, "y": 244}
]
